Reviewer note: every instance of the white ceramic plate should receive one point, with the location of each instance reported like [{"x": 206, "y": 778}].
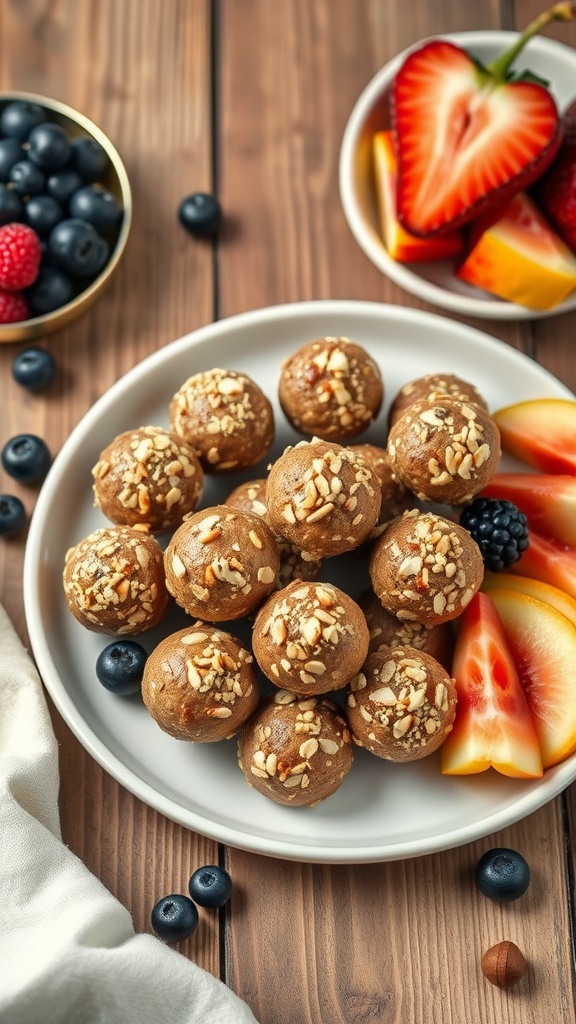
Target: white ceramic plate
[
  {"x": 382, "y": 811},
  {"x": 435, "y": 282}
]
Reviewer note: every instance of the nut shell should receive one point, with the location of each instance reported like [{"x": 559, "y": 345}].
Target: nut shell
[{"x": 504, "y": 964}]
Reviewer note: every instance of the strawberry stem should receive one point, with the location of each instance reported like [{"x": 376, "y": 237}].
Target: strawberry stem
[{"x": 559, "y": 12}]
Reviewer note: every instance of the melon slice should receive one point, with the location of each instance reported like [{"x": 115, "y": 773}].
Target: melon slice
[
  {"x": 548, "y": 500},
  {"x": 537, "y": 589},
  {"x": 521, "y": 258},
  {"x": 541, "y": 432}
]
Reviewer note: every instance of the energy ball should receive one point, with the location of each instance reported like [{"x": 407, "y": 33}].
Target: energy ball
[
  {"x": 225, "y": 417},
  {"x": 323, "y": 498},
  {"x": 295, "y": 750},
  {"x": 199, "y": 684},
  {"x": 330, "y": 388},
  {"x": 425, "y": 569},
  {"x": 431, "y": 388},
  {"x": 221, "y": 563},
  {"x": 114, "y": 581},
  {"x": 310, "y": 637},
  {"x": 395, "y": 498},
  {"x": 445, "y": 451},
  {"x": 147, "y": 476},
  {"x": 294, "y": 564},
  {"x": 388, "y": 631},
  {"x": 402, "y": 704}
]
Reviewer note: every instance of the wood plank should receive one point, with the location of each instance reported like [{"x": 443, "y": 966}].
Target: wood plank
[
  {"x": 394, "y": 941},
  {"x": 143, "y": 73}
]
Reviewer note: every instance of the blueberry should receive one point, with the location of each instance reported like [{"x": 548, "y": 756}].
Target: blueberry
[
  {"x": 48, "y": 146},
  {"x": 174, "y": 918},
  {"x": 51, "y": 289},
  {"x": 62, "y": 184},
  {"x": 12, "y": 515},
  {"x": 120, "y": 666},
  {"x": 210, "y": 886},
  {"x": 11, "y": 152},
  {"x": 26, "y": 458},
  {"x": 20, "y": 117},
  {"x": 200, "y": 214},
  {"x": 76, "y": 247},
  {"x": 503, "y": 875},
  {"x": 96, "y": 205},
  {"x": 88, "y": 158},
  {"x": 27, "y": 179},
  {"x": 34, "y": 368},
  {"x": 42, "y": 213},
  {"x": 11, "y": 206}
]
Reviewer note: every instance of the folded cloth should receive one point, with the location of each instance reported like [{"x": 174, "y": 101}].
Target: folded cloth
[{"x": 68, "y": 950}]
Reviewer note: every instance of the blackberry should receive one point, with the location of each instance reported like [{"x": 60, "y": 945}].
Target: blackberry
[{"x": 499, "y": 529}]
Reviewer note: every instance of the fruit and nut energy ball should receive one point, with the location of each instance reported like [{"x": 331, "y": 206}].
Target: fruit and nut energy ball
[
  {"x": 434, "y": 387},
  {"x": 425, "y": 569},
  {"x": 225, "y": 417},
  {"x": 199, "y": 684},
  {"x": 147, "y": 476},
  {"x": 323, "y": 498},
  {"x": 330, "y": 388},
  {"x": 388, "y": 631},
  {"x": 311, "y": 637},
  {"x": 295, "y": 750},
  {"x": 402, "y": 704},
  {"x": 114, "y": 581},
  {"x": 221, "y": 563},
  {"x": 395, "y": 498},
  {"x": 444, "y": 451},
  {"x": 294, "y": 564}
]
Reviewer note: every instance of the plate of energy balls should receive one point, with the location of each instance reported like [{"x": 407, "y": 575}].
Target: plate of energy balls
[{"x": 267, "y": 511}]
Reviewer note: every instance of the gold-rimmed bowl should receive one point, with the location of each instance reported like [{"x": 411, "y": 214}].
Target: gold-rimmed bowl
[{"x": 116, "y": 181}]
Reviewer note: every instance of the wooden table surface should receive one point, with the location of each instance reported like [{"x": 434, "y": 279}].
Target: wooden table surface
[{"x": 249, "y": 98}]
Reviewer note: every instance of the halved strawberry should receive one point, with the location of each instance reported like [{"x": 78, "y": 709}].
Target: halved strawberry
[
  {"x": 543, "y": 644},
  {"x": 469, "y": 136},
  {"x": 493, "y": 725},
  {"x": 556, "y": 190},
  {"x": 548, "y": 500}
]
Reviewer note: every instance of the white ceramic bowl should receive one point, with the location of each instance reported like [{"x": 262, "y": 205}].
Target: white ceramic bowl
[{"x": 435, "y": 282}]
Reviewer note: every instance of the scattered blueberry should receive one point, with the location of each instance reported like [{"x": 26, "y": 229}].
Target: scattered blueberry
[
  {"x": 200, "y": 214},
  {"x": 62, "y": 184},
  {"x": 499, "y": 529},
  {"x": 88, "y": 158},
  {"x": 28, "y": 180},
  {"x": 26, "y": 458},
  {"x": 34, "y": 368},
  {"x": 49, "y": 146},
  {"x": 11, "y": 152},
  {"x": 96, "y": 205},
  {"x": 210, "y": 886},
  {"x": 12, "y": 515},
  {"x": 77, "y": 247},
  {"x": 51, "y": 289},
  {"x": 503, "y": 875},
  {"x": 11, "y": 205},
  {"x": 174, "y": 918},
  {"x": 20, "y": 117},
  {"x": 120, "y": 666},
  {"x": 42, "y": 213}
]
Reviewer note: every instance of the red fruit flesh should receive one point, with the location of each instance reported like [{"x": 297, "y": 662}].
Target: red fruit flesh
[
  {"x": 493, "y": 725},
  {"x": 543, "y": 644},
  {"x": 549, "y": 561},
  {"x": 541, "y": 432},
  {"x": 466, "y": 140},
  {"x": 13, "y": 307},
  {"x": 548, "y": 500},
  {"x": 555, "y": 192}
]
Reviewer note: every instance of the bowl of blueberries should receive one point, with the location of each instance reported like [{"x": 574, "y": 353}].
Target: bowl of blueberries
[{"x": 65, "y": 214}]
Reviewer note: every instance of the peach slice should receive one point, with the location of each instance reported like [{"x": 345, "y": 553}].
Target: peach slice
[
  {"x": 534, "y": 588},
  {"x": 541, "y": 432},
  {"x": 543, "y": 645},
  {"x": 401, "y": 245},
  {"x": 549, "y": 561},
  {"x": 548, "y": 500},
  {"x": 521, "y": 258}
]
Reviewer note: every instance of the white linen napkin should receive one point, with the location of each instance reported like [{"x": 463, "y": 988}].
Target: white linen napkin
[{"x": 68, "y": 950}]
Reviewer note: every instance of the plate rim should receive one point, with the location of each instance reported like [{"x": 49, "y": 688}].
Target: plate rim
[
  {"x": 558, "y": 778},
  {"x": 402, "y": 274}
]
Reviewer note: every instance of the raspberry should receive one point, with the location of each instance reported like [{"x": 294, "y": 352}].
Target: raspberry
[
  {"x": 13, "y": 307},
  {"x": 20, "y": 255}
]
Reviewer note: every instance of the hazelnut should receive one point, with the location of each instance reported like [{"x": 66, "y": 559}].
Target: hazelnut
[{"x": 504, "y": 964}]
